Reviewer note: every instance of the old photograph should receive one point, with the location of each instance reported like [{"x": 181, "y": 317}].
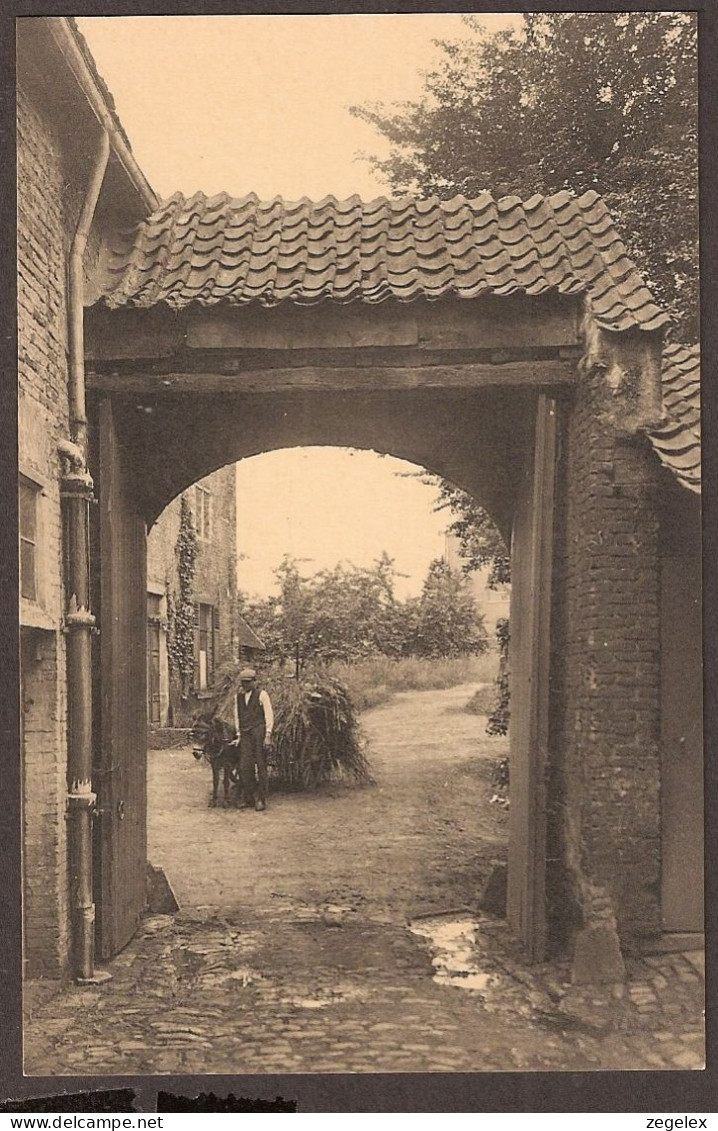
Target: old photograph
[{"x": 360, "y": 544}]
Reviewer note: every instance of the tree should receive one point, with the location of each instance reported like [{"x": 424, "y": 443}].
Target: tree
[
  {"x": 579, "y": 100},
  {"x": 350, "y": 613},
  {"x": 344, "y": 613},
  {"x": 446, "y": 622},
  {"x": 480, "y": 542}
]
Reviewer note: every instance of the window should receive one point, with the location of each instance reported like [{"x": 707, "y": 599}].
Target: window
[
  {"x": 154, "y": 612},
  {"x": 203, "y": 512},
  {"x": 28, "y": 539},
  {"x": 206, "y": 645},
  {"x": 154, "y": 606}
]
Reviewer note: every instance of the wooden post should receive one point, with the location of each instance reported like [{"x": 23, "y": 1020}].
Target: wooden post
[{"x": 530, "y": 651}]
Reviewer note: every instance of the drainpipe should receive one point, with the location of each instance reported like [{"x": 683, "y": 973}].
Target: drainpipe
[
  {"x": 76, "y": 291},
  {"x": 76, "y": 493}
]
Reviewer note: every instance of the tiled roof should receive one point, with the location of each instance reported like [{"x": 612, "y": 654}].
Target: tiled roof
[
  {"x": 246, "y": 636},
  {"x": 678, "y": 441},
  {"x": 101, "y": 84},
  {"x": 223, "y": 250}
]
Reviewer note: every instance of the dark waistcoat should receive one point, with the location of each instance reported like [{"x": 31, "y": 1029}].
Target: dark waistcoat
[{"x": 251, "y": 714}]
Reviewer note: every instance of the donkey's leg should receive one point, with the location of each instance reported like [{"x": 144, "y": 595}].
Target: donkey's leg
[
  {"x": 226, "y": 781},
  {"x": 215, "y": 783}
]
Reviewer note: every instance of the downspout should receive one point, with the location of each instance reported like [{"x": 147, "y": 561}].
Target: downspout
[{"x": 77, "y": 493}]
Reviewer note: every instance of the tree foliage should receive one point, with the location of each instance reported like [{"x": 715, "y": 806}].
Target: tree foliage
[
  {"x": 480, "y": 543},
  {"x": 578, "y": 100},
  {"x": 350, "y": 613},
  {"x": 444, "y": 621}
]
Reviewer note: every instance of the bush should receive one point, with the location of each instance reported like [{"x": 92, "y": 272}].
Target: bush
[
  {"x": 499, "y": 718},
  {"x": 500, "y": 773}
]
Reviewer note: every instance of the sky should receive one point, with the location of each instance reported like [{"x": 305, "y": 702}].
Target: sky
[
  {"x": 260, "y": 104},
  {"x": 339, "y": 505}
]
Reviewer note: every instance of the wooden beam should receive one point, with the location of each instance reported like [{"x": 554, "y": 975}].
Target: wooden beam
[
  {"x": 237, "y": 361},
  {"x": 488, "y": 322},
  {"x": 532, "y": 374}
]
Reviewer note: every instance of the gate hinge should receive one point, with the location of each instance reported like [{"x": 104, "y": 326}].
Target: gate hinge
[{"x": 110, "y": 810}]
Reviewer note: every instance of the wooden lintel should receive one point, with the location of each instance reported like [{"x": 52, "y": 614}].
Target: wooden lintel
[
  {"x": 489, "y": 322},
  {"x": 534, "y": 374}
]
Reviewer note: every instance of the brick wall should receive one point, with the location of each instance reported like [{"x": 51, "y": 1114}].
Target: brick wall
[
  {"x": 604, "y": 819},
  {"x": 43, "y": 420},
  {"x": 216, "y": 570},
  {"x": 217, "y": 560}
]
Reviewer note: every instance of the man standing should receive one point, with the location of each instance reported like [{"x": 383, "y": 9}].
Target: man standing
[{"x": 254, "y": 722}]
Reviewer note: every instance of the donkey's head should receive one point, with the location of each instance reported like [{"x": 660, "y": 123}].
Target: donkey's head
[{"x": 210, "y": 735}]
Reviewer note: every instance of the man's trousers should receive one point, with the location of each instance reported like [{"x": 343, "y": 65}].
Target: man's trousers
[{"x": 251, "y": 754}]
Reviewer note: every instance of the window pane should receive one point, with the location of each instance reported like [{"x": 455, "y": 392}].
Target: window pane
[
  {"x": 28, "y": 587},
  {"x": 28, "y": 511},
  {"x": 202, "y": 498}
]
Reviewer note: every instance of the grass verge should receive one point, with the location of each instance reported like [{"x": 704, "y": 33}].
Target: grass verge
[{"x": 374, "y": 682}]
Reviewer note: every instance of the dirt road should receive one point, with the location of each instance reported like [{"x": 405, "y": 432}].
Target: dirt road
[
  {"x": 422, "y": 838},
  {"x": 294, "y": 949}
]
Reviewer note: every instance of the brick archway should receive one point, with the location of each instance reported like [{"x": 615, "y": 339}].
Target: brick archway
[{"x": 533, "y": 403}]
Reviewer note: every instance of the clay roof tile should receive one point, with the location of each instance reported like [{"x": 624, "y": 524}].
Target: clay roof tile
[{"x": 303, "y": 251}]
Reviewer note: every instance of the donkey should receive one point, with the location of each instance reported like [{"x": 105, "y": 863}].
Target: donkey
[{"x": 212, "y": 739}]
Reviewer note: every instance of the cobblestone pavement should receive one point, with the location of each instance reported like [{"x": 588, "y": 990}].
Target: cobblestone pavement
[{"x": 294, "y": 953}]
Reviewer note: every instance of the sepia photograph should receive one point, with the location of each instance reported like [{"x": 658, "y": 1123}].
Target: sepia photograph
[{"x": 361, "y": 685}]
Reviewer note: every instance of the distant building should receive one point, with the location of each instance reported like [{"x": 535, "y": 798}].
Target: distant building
[
  {"x": 493, "y": 604},
  {"x": 219, "y": 633}
]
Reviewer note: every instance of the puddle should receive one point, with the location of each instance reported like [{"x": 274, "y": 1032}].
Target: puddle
[{"x": 455, "y": 955}]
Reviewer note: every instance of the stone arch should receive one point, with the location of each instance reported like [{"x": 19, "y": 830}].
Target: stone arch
[{"x": 478, "y": 440}]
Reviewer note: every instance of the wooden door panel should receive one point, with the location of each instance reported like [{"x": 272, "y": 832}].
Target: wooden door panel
[
  {"x": 153, "y": 673},
  {"x": 682, "y": 803},
  {"x": 529, "y": 659},
  {"x": 121, "y": 852}
]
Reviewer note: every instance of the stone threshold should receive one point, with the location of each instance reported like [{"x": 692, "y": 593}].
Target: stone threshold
[{"x": 671, "y": 942}]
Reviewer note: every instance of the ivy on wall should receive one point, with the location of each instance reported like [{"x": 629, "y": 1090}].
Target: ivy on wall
[
  {"x": 498, "y": 721},
  {"x": 180, "y": 605}
]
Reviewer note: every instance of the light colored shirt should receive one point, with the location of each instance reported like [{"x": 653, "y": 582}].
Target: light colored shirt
[{"x": 265, "y": 703}]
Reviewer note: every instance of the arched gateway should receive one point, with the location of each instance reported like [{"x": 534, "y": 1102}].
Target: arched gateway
[{"x": 509, "y": 346}]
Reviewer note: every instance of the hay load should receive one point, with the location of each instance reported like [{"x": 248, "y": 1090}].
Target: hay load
[{"x": 317, "y": 737}]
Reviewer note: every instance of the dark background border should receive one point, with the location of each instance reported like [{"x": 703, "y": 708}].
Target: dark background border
[{"x": 673, "y": 1092}]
